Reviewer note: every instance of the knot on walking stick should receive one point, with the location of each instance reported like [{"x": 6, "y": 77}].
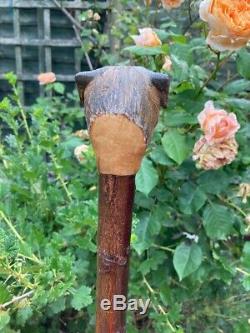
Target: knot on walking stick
[{"x": 122, "y": 106}]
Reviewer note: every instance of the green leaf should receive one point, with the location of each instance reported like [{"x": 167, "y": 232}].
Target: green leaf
[
  {"x": 175, "y": 145},
  {"x": 246, "y": 256},
  {"x": 145, "y": 51},
  {"x": 59, "y": 88},
  {"x": 218, "y": 221},
  {"x": 4, "y": 319},
  {"x": 23, "y": 315},
  {"x": 239, "y": 103},
  {"x": 179, "y": 39},
  {"x": 191, "y": 198},
  {"x": 180, "y": 69},
  {"x": 11, "y": 78},
  {"x": 243, "y": 63},
  {"x": 147, "y": 177},
  {"x": 183, "y": 86},
  {"x": 81, "y": 298},
  {"x": 208, "y": 181},
  {"x": 5, "y": 296},
  {"x": 246, "y": 283},
  {"x": 237, "y": 86},
  {"x": 151, "y": 264},
  {"x": 158, "y": 156},
  {"x": 187, "y": 259},
  {"x": 177, "y": 118},
  {"x": 143, "y": 234}
]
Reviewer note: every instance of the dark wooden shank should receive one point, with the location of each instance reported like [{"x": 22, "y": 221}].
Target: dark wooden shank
[{"x": 116, "y": 196}]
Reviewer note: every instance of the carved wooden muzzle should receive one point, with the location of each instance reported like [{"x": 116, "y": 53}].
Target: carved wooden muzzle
[{"x": 122, "y": 107}]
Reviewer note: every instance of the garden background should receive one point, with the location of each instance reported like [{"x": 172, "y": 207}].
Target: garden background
[{"x": 191, "y": 227}]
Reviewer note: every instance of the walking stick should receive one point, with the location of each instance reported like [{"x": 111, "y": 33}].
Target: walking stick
[{"x": 122, "y": 106}]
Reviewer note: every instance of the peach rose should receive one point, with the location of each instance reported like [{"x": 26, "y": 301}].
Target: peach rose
[
  {"x": 82, "y": 134},
  {"x": 79, "y": 151},
  {"x": 229, "y": 22},
  {"x": 167, "y": 66},
  {"x": 212, "y": 156},
  {"x": 170, "y": 4},
  {"x": 147, "y": 37},
  {"x": 217, "y": 124},
  {"x": 46, "y": 78},
  {"x": 96, "y": 17}
]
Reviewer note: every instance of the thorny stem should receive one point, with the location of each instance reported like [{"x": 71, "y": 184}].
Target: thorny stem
[
  {"x": 17, "y": 299},
  {"x": 164, "y": 248},
  {"x": 219, "y": 64},
  {"x": 18, "y": 236},
  {"x": 19, "y": 276},
  {"x": 22, "y": 114},
  {"x": 233, "y": 205},
  {"x": 11, "y": 226},
  {"x": 212, "y": 75},
  {"x": 160, "y": 308},
  {"x": 60, "y": 178},
  {"x": 33, "y": 258},
  {"x": 190, "y": 12},
  {"x": 242, "y": 271}
]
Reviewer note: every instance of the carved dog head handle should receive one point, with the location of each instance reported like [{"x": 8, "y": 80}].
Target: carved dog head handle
[{"x": 122, "y": 106}]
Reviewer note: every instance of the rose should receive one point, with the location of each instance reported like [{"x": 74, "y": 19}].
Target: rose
[
  {"x": 170, "y": 4},
  {"x": 217, "y": 124},
  {"x": 147, "y": 37},
  {"x": 46, "y": 78},
  {"x": 167, "y": 66},
  {"x": 229, "y": 22},
  {"x": 212, "y": 156},
  {"x": 96, "y": 17},
  {"x": 80, "y": 151}
]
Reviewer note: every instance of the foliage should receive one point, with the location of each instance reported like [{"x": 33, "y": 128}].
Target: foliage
[{"x": 189, "y": 248}]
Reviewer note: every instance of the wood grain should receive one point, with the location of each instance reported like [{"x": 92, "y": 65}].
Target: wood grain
[
  {"x": 122, "y": 106},
  {"x": 116, "y": 196}
]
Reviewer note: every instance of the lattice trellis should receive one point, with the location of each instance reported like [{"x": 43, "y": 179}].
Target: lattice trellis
[{"x": 43, "y": 41}]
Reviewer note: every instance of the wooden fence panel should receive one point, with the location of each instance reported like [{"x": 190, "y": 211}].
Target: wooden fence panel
[{"x": 43, "y": 42}]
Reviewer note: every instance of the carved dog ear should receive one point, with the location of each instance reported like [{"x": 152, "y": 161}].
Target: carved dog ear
[
  {"x": 84, "y": 78},
  {"x": 161, "y": 83}
]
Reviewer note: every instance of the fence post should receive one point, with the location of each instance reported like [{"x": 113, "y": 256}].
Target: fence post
[{"x": 122, "y": 106}]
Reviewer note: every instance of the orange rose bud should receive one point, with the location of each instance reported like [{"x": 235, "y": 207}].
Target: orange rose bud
[
  {"x": 170, "y": 4},
  {"x": 229, "y": 23},
  {"x": 147, "y": 37},
  {"x": 46, "y": 78},
  {"x": 167, "y": 66}
]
